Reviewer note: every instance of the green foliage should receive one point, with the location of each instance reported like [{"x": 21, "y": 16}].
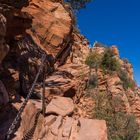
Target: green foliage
[
  {"x": 107, "y": 62},
  {"x": 110, "y": 63},
  {"x": 127, "y": 81},
  {"x": 78, "y": 4},
  {"x": 121, "y": 126},
  {"x": 93, "y": 81},
  {"x": 93, "y": 60}
]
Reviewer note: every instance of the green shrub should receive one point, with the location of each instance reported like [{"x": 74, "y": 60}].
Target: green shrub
[
  {"x": 110, "y": 63},
  {"x": 78, "y": 4},
  {"x": 93, "y": 81},
  {"x": 107, "y": 62},
  {"x": 121, "y": 126},
  {"x": 127, "y": 81},
  {"x": 93, "y": 60}
]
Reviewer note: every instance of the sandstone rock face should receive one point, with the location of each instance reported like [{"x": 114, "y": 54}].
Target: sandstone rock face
[
  {"x": 4, "y": 97},
  {"x": 66, "y": 79},
  {"x": 92, "y": 130},
  {"x": 4, "y": 48},
  {"x": 59, "y": 127},
  {"x": 80, "y": 49},
  {"x": 28, "y": 121},
  {"x": 48, "y": 24},
  {"x": 128, "y": 67},
  {"x": 59, "y": 83},
  {"x": 51, "y": 24},
  {"x": 61, "y": 106},
  {"x": 134, "y": 102},
  {"x": 99, "y": 48},
  {"x": 115, "y": 50},
  {"x": 84, "y": 108}
]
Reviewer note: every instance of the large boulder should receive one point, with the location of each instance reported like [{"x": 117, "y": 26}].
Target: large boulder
[{"x": 61, "y": 106}]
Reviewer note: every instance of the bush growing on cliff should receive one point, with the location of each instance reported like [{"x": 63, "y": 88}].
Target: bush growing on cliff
[
  {"x": 121, "y": 126},
  {"x": 109, "y": 63},
  {"x": 93, "y": 81},
  {"x": 93, "y": 60},
  {"x": 127, "y": 81},
  {"x": 78, "y": 4}
]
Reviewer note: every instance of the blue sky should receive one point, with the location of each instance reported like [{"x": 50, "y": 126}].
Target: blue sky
[{"x": 114, "y": 22}]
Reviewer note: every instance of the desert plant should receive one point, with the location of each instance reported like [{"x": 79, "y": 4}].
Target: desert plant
[
  {"x": 93, "y": 60},
  {"x": 121, "y": 126},
  {"x": 126, "y": 80},
  {"x": 109, "y": 63},
  {"x": 78, "y": 4},
  {"x": 93, "y": 81}
]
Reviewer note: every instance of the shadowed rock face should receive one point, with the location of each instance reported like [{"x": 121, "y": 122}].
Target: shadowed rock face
[
  {"x": 20, "y": 21},
  {"x": 48, "y": 25},
  {"x": 15, "y": 3},
  {"x": 4, "y": 48},
  {"x": 4, "y": 98}
]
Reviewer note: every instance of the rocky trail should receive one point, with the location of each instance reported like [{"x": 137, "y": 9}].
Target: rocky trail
[{"x": 58, "y": 123}]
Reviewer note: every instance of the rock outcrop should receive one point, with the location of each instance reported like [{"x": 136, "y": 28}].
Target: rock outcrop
[
  {"x": 59, "y": 126},
  {"x": 60, "y": 106},
  {"x": 51, "y": 25}
]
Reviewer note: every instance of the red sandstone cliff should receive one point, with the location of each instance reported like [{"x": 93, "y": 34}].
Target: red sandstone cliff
[{"x": 26, "y": 31}]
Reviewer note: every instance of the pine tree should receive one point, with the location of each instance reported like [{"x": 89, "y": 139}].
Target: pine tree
[{"x": 78, "y": 4}]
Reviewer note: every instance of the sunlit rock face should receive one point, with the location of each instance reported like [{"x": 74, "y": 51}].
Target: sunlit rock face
[
  {"x": 115, "y": 50},
  {"x": 59, "y": 126},
  {"x": 51, "y": 25}
]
